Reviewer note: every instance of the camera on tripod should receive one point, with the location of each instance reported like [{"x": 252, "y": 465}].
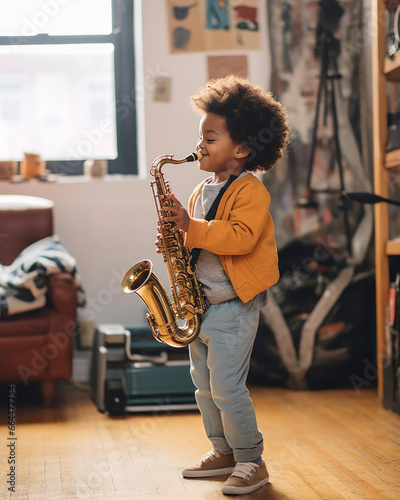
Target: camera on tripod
[{"x": 330, "y": 14}]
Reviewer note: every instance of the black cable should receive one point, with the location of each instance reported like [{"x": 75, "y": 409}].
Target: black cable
[{"x": 370, "y": 198}]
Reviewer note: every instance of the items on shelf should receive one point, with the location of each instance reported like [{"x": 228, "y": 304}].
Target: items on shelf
[
  {"x": 392, "y": 28},
  {"x": 392, "y": 5},
  {"x": 391, "y": 397},
  {"x": 32, "y": 166},
  {"x": 393, "y": 131},
  {"x": 8, "y": 169},
  {"x": 95, "y": 168}
]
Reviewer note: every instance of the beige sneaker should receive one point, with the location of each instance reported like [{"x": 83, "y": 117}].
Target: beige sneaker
[
  {"x": 245, "y": 478},
  {"x": 213, "y": 463}
]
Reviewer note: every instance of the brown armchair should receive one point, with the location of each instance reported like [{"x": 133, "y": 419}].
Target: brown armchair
[{"x": 35, "y": 346}]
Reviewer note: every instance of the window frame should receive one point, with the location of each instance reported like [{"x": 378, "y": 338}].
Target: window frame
[{"x": 122, "y": 37}]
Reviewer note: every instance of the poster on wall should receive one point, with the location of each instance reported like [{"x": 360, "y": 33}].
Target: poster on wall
[
  {"x": 201, "y": 25},
  {"x": 221, "y": 66},
  {"x": 297, "y": 29}
]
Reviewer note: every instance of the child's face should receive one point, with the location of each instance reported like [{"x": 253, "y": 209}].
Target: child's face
[{"x": 216, "y": 145}]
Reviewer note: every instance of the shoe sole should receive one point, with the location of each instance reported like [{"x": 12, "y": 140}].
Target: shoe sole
[
  {"x": 207, "y": 473},
  {"x": 235, "y": 490}
]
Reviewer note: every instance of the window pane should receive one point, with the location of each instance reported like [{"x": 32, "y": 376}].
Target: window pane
[
  {"x": 55, "y": 17},
  {"x": 58, "y": 101}
]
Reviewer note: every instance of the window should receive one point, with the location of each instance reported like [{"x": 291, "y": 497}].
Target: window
[{"x": 67, "y": 83}]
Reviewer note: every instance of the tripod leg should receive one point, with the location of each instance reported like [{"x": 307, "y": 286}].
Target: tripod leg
[
  {"x": 336, "y": 136},
  {"x": 339, "y": 161},
  {"x": 322, "y": 85}
]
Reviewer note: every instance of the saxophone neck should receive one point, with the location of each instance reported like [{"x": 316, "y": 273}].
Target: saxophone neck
[{"x": 160, "y": 161}]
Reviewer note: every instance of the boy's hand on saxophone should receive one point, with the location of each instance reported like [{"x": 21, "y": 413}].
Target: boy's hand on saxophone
[{"x": 180, "y": 217}]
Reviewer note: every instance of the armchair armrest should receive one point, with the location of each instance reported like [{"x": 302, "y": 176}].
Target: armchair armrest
[{"x": 62, "y": 293}]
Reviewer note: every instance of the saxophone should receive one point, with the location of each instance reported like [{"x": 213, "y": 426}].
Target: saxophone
[{"x": 175, "y": 322}]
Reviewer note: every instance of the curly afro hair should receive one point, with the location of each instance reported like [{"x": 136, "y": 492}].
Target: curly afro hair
[{"x": 253, "y": 117}]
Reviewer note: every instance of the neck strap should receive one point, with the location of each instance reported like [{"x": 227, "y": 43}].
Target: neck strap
[{"x": 211, "y": 216}]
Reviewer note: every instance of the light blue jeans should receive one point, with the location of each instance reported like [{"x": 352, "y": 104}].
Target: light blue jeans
[{"x": 220, "y": 359}]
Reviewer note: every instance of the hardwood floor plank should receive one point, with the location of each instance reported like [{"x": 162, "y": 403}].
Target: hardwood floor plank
[{"x": 318, "y": 445}]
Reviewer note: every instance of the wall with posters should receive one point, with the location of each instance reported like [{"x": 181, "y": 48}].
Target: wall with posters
[
  {"x": 108, "y": 224},
  {"x": 214, "y": 25}
]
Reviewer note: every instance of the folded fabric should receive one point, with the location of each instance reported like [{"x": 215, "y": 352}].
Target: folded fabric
[{"x": 23, "y": 284}]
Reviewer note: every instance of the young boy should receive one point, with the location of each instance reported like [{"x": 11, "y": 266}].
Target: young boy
[{"x": 243, "y": 129}]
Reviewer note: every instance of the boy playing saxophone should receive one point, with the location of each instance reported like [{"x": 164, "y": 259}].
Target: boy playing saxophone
[{"x": 242, "y": 129}]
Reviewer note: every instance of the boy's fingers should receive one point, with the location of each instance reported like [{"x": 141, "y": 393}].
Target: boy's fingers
[
  {"x": 173, "y": 210},
  {"x": 171, "y": 196}
]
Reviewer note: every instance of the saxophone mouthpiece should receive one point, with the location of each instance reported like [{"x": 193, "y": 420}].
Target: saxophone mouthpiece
[{"x": 194, "y": 156}]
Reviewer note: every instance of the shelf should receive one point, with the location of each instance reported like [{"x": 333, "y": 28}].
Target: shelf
[
  {"x": 393, "y": 247},
  {"x": 391, "y": 67},
  {"x": 384, "y": 70},
  {"x": 392, "y": 159}
]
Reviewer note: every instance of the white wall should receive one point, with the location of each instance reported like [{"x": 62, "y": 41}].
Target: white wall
[{"x": 109, "y": 224}]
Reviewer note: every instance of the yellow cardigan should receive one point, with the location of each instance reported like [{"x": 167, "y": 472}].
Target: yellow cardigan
[{"x": 242, "y": 234}]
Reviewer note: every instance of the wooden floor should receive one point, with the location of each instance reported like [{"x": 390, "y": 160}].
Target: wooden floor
[{"x": 332, "y": 445}]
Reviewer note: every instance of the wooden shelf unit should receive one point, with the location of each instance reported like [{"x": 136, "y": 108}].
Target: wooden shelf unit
[
  {"x": 392, "y": 158},
  {"x": 393, "y": 247},
  {"x": 383, "y": 70}
]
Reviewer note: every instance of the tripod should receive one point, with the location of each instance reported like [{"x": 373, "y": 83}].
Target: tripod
[{"x": 329, "y": 76}]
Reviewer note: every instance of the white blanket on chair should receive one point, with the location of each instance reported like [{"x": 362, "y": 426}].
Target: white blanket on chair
[{"x": 23, "y": 284}]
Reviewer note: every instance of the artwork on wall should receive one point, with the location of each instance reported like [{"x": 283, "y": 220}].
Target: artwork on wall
[
  {"x": 296, "y": 70},
  {"x": 311, "y": 335},
  {"x": 162, "y": 89},
  {"x": 221, "y": 66},
  {"x": 200, "y": 25}
]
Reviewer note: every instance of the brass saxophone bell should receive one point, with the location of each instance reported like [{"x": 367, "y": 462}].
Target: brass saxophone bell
[{"x": 136, "y": 276}]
